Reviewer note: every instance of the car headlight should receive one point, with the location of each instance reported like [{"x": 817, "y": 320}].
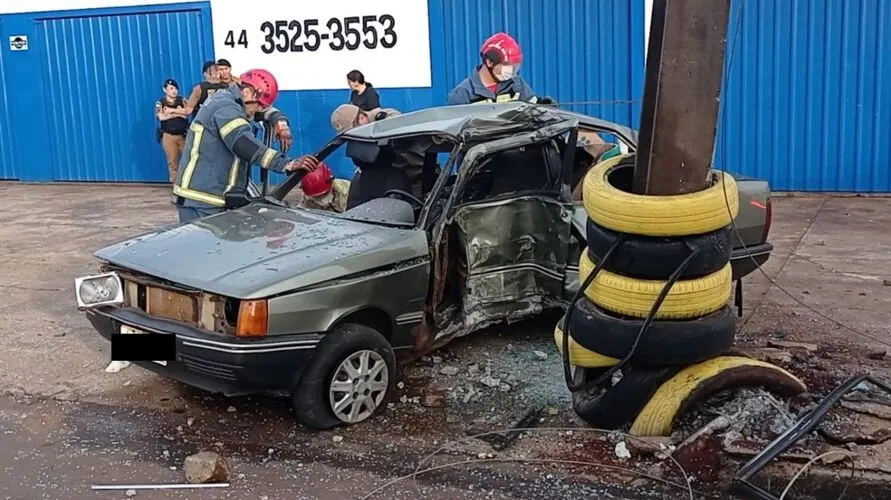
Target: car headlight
[{"x": 100, "y": 290}]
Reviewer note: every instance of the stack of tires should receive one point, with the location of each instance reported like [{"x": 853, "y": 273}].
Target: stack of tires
[{"x": 683, "y": 346}]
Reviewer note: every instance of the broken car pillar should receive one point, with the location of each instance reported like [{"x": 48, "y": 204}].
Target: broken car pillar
[{"x": 656, "y": 276}]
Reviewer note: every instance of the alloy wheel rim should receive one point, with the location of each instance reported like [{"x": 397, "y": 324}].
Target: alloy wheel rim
[{"x": 358, "y": 386}]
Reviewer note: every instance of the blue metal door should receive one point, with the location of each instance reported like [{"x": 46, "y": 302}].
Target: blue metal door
[{"x": 101, "y": 77}]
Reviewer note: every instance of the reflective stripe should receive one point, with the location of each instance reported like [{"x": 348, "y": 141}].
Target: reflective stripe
[
  {"x": 194, "y": 154},
  {"x": 267, "y": 158},
  {"x": 232, "y": 126},
  {"x": 233, "y": 173},
  {"x": 197, "y": 134},
  {"x": 506, "y": 97}
]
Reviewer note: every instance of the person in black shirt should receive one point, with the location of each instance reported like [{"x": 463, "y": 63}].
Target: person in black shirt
[
  {"x": 363, "y": 94},
  {"x": 172, "y": 116}
]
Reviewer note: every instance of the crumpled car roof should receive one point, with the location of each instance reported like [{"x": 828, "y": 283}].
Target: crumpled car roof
[{"x": 469, "y": 120}]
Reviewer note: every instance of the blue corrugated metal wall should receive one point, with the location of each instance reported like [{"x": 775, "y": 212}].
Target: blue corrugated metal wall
[
  {"x": 125, "y": 58},
  {"x": 94, "y": 76},
  {"x": 76, "y": 52},
  {"x": 807, "y": 103},
  {"x": 7, "y": 170}
]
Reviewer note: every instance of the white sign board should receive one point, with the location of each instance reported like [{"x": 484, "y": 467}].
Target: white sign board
[
  {"x": 18, "y": 42},
  {"x": 312, "y": 45}
]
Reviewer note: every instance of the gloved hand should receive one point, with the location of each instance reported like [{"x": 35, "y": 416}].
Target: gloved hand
[
  {"x": 283, "y": 132},
  {"x": 306, "y": 163},
  {"x": 548, "y": 101}
]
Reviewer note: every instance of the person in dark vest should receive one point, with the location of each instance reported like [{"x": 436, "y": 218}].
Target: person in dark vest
[
  {"x": 225, "y": 69},
  {"x": 174, "y": 123},
  {"x": 206, "y": 88},
  {"x": 363, "y": 94},
  {"x": 496, "y": 79}
]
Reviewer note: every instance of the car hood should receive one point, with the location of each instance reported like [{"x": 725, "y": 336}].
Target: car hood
[{"x": 263, "y": 250}]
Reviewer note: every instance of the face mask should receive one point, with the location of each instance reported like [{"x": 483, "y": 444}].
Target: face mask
[{"x": 507, "y": 72}]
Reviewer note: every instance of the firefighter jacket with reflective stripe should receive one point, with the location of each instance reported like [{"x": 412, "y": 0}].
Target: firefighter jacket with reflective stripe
[
  {"x": 472, "y": 90},
  {"x": 220, "y": 149}
]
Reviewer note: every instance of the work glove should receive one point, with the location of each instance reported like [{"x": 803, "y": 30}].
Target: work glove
[
  {"x": 307, "y": 163},
  {"x": 283, "y": 132}
]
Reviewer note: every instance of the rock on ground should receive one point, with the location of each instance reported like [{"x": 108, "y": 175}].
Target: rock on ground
[{"x": 206, "y": 467}]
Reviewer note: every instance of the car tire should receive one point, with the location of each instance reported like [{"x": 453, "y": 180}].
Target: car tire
[
  {"x": 652, "y": 258},
  {"x": 663, "y": 343},
  {"x": 614, "y": 407},
  {"x": 608, "y": 201},
  {"x": 635, "y": 297},
  {"x": 698, "y": 382},
  {"x": 327, "y": 378}
]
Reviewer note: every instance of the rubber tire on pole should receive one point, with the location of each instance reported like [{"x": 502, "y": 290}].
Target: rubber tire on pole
[
  {"x": 616, "y": 406},
  {"x": 634, "y": 297},
  {"x": 578, "y": 355},
  {"x": 700, "y": 381},
  {"x": 608, "y": 201},
  {"x": 656, "y": 258},
  {"x": 663, "y": 343}
]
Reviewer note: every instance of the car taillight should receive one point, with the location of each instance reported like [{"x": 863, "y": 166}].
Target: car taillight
[
  {"x": 768, "y": 218},
  {"x": 253, "y": 319}
]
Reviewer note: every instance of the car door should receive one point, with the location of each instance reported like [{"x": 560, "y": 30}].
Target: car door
[{"x": 507, "y": 225}]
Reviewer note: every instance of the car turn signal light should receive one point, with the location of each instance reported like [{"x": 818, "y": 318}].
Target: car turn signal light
[{"x": 253, "y": 319}]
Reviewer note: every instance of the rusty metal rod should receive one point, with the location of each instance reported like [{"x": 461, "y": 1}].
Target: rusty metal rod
[{"x": 682, "y": 87}]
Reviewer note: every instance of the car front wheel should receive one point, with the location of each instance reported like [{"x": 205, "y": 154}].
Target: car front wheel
[{"x": 349, "y": 379}]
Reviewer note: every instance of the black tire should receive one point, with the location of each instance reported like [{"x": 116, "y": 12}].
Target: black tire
[
  {"x": 310, "y": 396},
  {"x": 617, "y": 406},
  {"x": 647, "y": 257},
  {"x": 664, "y": 342}
]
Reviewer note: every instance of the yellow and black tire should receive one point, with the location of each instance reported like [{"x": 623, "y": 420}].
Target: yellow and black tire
[
  {"x": 635, "y": 297},
  {"x": 700, "y": 381},
  {"x": 578, "y": 355},
  {"x": 676, "y": 215}
]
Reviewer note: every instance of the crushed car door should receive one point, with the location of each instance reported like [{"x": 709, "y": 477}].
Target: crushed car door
[{"x": 509, "y": 221}]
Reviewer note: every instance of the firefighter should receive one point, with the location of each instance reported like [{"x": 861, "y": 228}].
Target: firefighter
[
  {"x": 221, "y": 148},
  {"x": 496, "y": 79},
  {"x": 320, "y": 190},
  {"x": 210, "y": 85}
]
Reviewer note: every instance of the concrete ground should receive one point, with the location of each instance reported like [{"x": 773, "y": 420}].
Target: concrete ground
[{"x": 71, "y": 424}]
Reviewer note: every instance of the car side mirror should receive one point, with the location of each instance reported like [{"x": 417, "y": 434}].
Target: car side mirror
[{"x": 237, "y": 199}]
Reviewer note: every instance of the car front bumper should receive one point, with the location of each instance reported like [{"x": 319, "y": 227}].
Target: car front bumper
[
  {"x": 214, "y": 362},
  {"x": 744, "y": 261}
]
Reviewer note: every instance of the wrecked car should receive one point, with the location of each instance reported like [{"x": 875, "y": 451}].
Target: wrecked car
[{"x": 267, "y": 297}]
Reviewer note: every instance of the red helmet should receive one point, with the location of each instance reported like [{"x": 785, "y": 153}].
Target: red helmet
[
  {"x": 263, "y": 82},
  {"x": 318, "y": 182},
  {"x": 501, "y": 48}
]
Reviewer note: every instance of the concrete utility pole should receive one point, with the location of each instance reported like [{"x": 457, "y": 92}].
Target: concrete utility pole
[{"x": 682, "y": 87}]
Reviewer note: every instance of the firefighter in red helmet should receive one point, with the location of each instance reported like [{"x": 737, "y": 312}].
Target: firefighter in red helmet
[
  {"x": 221, "y": 147},
  {"x": 320, "y": 190},
  {"x": 496, "y": 79}
]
